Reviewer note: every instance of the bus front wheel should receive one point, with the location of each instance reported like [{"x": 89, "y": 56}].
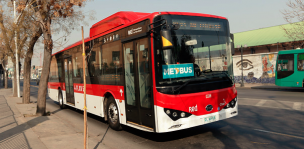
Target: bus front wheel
[
  {"x": 113, "y": 114},
  {"x": 60, "y": 100}
]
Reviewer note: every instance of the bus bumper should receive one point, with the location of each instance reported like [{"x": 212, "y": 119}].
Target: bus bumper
[{"x": 165, "y": 124}]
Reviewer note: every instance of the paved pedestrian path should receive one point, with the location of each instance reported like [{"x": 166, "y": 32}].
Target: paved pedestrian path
[
  {"x": 51, "y": 132},
  {"x": 299, "y": 106},
  {"x": 14, "y": 131}
]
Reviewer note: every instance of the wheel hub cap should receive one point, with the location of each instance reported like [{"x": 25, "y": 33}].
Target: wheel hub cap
[{"x": 113, "y": 113}]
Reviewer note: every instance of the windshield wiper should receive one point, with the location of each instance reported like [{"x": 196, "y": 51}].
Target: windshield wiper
[
  {"x": 180, "y": 87},
  {"x": 185, "y": 84}
]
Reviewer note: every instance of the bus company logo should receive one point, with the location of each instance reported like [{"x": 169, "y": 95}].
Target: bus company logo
[
  {"x": 193, "y": 108},
  {"x": 134, "y": 30},
  {"x": 208, "y": 96},
  {"x": 172, "y": 71},
  {"x": 223, "y": 103},
  {"x": 177, "y": 71},
  {"x": 209, "y": 108},
  {"x": 78, "y": 88}
]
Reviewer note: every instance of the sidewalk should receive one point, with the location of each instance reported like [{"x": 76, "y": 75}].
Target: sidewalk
[
  {"x": 44, "y": 132},
  {"x": 15, "y": 132},
  {"x": 269, "y": 87}
]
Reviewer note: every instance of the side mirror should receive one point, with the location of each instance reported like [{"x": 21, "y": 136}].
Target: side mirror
[
  {"x": 166, "y": 39},
  {"x": 232, "y": 44}
]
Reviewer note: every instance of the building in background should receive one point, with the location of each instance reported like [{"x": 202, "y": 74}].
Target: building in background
[{"x": 260, "y": 54}]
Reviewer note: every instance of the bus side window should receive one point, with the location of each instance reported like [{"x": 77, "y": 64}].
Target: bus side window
[{"x": 301, "y": 62}]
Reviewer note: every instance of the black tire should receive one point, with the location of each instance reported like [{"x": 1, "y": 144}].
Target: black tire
[
  {"x": 113, "y": 114},
  {"x": 60, "y": 100}
]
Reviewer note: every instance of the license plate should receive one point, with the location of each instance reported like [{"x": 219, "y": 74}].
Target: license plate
[{"x": 210, "y": 119}]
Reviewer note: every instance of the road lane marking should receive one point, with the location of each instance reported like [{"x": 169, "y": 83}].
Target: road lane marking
[
  {"x": 282, "y": 134},
  {"x": 260, "y": 103},
  {"x": 297, "y": 105},
  {"x": 250, "y": 98},
  {"x": 260, "y": 143}
]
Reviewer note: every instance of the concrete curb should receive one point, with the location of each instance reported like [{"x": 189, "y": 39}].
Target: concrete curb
[
  {"x": 279, "y": 88},
  {"x": 270, "y": 87}
]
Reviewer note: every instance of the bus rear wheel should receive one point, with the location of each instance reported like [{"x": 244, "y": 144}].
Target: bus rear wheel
[
  {"x": 60, "y": 100},
  {"x": 113, "y": 114}
]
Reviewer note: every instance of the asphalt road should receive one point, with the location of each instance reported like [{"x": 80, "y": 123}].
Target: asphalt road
[{"x": 267, "y": 119}]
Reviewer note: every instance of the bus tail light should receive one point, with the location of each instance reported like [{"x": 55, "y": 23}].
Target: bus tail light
[{"x": 176, "y": 114}]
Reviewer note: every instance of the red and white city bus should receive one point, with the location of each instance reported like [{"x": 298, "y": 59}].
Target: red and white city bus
[{"x": 157, "y": 72}]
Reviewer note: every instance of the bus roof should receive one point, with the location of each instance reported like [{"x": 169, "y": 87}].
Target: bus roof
[
  {"x": 292, "y": 51},
  {"x": 125, "y": 18}
]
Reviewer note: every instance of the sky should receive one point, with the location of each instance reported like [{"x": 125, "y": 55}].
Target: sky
[{"x": 243, "y": 15}]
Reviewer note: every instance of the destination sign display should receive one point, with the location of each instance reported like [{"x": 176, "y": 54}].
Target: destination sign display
[{"x": 198, "y": 25}]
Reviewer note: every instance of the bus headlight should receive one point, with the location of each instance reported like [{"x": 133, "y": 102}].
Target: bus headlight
[
  {"x": 168, "y": 112},
  {"x": 176, "y": 114},
  {"x": 231, "y": 104}
]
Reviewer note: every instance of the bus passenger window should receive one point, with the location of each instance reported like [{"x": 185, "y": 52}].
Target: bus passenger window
[{"x": 301, "y": 62}]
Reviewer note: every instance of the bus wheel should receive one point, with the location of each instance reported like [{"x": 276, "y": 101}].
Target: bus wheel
[
  {"x": 113, "y": 114},
  {"x": 60, "y": 100}
]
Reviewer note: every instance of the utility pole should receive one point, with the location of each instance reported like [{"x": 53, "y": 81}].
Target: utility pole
[
  {"x": 242, "y": 83},
  {"x": 17, "y": 58},
  {"x": 84, "y": 94}
]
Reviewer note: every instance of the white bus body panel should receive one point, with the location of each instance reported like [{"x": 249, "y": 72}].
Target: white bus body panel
[{"x": 165, "y": 124}]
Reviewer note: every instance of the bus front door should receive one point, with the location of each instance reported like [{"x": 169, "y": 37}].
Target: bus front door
[
  {"x": 68, "y": 72},
  {"x": 138, "y": 83}
]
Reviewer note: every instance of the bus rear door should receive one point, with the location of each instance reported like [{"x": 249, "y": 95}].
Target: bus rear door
[{"x": 68, "y": 73}]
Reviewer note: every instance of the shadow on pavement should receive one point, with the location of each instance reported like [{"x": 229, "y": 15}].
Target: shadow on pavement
[{"x": 15, "y": 137}]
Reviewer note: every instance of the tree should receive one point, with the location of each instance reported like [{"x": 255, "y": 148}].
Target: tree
[
  {"x": 294, "y": 16},
  {"x": 8, "y": 28},
  {"x": 3, "y": 58},
  {"x": 52, "y": 15},
  {"x": 27, "y": 66},
  {"x": 35, "y": 32}
]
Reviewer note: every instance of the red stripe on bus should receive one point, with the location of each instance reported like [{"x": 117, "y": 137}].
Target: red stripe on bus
[
  {"x": 56, "y": 85},
  {"x": 101, "y": 90},
  {"x": 93, "y": 89}
]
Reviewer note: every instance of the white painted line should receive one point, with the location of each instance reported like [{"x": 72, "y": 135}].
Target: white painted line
[
  {"x": 260, "y": 103},
  {"x": 297, "y": 105},
  {"x": 249, "y": 99},
  {"x": 279, "y": 134}
]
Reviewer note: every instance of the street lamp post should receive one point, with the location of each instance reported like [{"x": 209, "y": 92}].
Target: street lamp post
[
  {"x": 17, "y": 57},
  {"x": 16, "y": 45}
]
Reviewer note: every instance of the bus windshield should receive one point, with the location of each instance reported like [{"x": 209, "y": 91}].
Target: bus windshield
[{"x": 201, "y": 51}]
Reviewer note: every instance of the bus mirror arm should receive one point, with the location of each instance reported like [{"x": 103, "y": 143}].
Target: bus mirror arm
[
  {"x": 232, "y": 44},
  {"x": 162, "y": 24}
]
